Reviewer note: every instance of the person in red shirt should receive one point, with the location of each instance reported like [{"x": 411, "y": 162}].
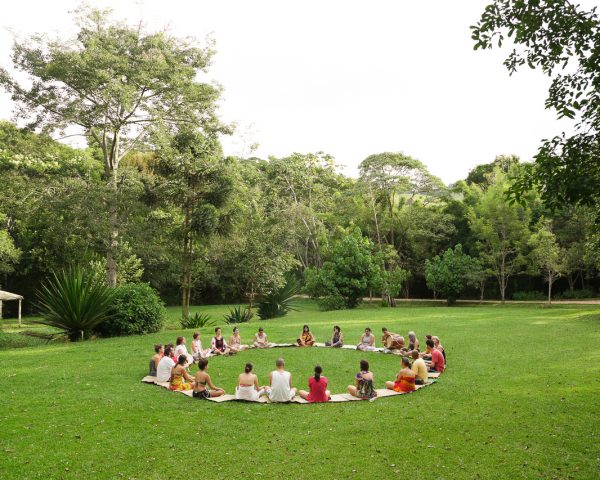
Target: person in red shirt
[
  {"x": 437, "y": 363},
  {"x": 318, "y": 388}
]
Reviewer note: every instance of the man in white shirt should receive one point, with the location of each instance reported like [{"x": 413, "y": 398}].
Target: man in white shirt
[
  {"x": 281, "y": 384},
  {"x": 165, "y": 365}
]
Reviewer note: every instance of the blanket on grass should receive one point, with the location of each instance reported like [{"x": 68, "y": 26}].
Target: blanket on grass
[{"x": 335, "y": 398}]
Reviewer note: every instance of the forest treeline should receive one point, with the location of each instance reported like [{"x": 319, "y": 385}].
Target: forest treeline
[{"x": 231, "y": 228}]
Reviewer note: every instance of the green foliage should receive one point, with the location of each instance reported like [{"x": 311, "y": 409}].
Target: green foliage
[
  {"x": 137, "y": 309},
  {"x": 350, "y": 272},
  {"x": 332, "y": 302},
  {"x": 555, "y": 36},
  {"x": 72, "y": 302},
  {"x": 238, "y": 315},
  {"x": 528, "y": 296},
  {"x": 448, "y": 274},
  {"x": 575, "y": 294},
  {"x": 278, "y": 302},
  {"x": 546, "y": 255},
  {"x": 197, "y": 320}
]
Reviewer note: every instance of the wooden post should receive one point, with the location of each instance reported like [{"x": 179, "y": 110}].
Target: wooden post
[{"x": 19, "y": 313}]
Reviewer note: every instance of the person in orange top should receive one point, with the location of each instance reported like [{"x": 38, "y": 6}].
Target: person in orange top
[
  {"x": 405, "y": 380},
  {"x": 307, "y": 339}
]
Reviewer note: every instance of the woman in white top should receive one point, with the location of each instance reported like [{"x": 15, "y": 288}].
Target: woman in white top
[
  {"x": 367, "y": 341},
  {"x": 181, "y": 349},
  {"x": 197, "y": 351},
  {"x": 281, "y": 384},
  {"x": 235, "y": 341},
  {"x": 247, "y": 386},
  {"x": 260, "y": 339}
]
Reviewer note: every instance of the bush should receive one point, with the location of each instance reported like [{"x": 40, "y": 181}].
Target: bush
[
  {"x": 74, "y": 303},
  {"x": 353, "y": 268},
  {"x": 332, "y": 302},
  {"x": 137, "y": 309},
  {"x": 279, "y": 302},
  {"x": 575, "y": 294},
  {"x": 238, "y": 315},
  {"x": 197, "y": 320},
  {"x": 525, "y": 296},
  {"x": 447, "y": 274}
]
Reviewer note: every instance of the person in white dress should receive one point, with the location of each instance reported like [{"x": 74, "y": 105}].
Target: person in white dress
[
  {"x": 247, "y": 386},
  {"x": 280, "y": 380}
]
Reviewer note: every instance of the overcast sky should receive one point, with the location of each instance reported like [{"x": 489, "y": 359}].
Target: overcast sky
[{"x": 347, "y": 78}]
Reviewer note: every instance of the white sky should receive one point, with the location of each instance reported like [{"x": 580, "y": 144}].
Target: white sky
[{"x": 345, "y": 77}]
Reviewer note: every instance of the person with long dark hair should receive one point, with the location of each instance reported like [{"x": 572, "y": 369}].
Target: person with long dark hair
[
  {"x": 307, "y": 339},
  {"x": 337, "y": 338},
  {"x": 363, "y": 383},
  {"x": 317, "y": 385},
  {"x": 203, "y": 386},
  {"x": 179, "y": 375}
]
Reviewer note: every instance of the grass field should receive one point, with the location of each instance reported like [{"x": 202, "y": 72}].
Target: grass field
[{"x": 520, "y": 400}]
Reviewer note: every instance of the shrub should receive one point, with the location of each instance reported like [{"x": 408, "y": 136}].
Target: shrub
[
  {"x": 74, "y": 303},
  {"x": 348, "y": 275},
  {"x": 279, "y": 302},
  {"x": 447, "y": 274},
  {"x": 332, "y": 302},
  {"x": 529, "y": 296},
  {"x": 238, "y": 315},
  {"x": 575, "y": 294},
  {"x": 197, "y": 320},
  {"x": 137, "y": 309}
]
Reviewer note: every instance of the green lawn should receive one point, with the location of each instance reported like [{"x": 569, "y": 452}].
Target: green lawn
[{"x": 520, "y": 400}]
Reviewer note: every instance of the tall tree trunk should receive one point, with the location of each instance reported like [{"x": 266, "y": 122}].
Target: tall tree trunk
[
  {"x": 186, "y": 265},
  {"x": 481, "y": 290},
  {"x": 571, "y": 279},
  {"x": 550, "y": 280},
  {"x": 502, "y": 281},
  {"x": 113, "y": 242}
]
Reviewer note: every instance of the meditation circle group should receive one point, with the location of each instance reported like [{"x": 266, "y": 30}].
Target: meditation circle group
[{"x": 170, "y": 367}]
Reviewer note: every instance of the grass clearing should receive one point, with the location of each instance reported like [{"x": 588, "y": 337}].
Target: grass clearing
[{"x": 520, "y": 400}]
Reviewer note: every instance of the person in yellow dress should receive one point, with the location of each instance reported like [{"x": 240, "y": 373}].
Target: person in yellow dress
[{"x": 179, "y": 375}]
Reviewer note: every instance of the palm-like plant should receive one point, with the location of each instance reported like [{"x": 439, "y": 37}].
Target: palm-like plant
[
  {"x": 279, "y": 302},
  {"x": 74, "y": 303}
]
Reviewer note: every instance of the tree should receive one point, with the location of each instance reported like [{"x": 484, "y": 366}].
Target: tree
[
  {"x": 350, "y": 272},
  {"x": 502, "y": 231},
  {"x": 563, "y": 41},
  {"x": 546, "y": 255},
  {"x": 197, "y": 181},
  {"x": 447, "y": 274},
  {"x": 481, "y": 173},
  {"x": 114, "y": 83}
]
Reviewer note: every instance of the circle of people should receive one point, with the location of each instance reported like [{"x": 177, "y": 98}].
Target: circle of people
[{"x": 170, "y": 363}]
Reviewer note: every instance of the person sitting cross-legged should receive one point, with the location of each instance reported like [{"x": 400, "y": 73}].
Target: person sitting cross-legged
[
  {"x": 280, "y": 389},
  {"x": 420, "y": 369},
  {"x": 159, "y": 352},
  {"x": 437, "y": 362},
  {"x": 165, "y": 365},
  {"x": 260, "y": 339},
  {"x": 367, "y": 341},
  {"x": 363, "y": 383},
  {"x": 179, "y": 375},
  {"x": 203, "y": 386},
  {"x": 391, "y": 341},
  {"x": 337, "y": 338},
  {"x": 218, "y": 346},
  {"x": 405, "y": 380},
  {"x": 247, "y": 386},
  {"x": 307, "y": 339},
  {"x": 317, "y": 385}
]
